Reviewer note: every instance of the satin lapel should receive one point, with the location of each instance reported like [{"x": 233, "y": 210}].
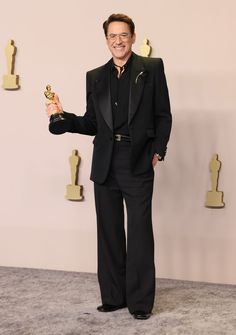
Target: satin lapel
[
  {"x": 136, "y": 86},
  {"x": 103, "y": 95}
]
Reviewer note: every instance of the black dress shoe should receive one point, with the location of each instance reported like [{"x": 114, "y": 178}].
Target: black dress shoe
[
  {"x": 141, "y": 315},
  {"x": 110, "y": 308}
]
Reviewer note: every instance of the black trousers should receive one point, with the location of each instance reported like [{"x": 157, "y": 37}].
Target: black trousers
[{"x": 126, "y": 270}]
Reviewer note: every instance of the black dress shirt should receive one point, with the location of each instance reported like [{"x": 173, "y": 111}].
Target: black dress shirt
[{"x": 120, "y": 88}]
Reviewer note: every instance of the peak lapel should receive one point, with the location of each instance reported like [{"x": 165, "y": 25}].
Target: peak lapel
[
  {"x": 136, "y": 86},
  {"x": 103, "y": 95}
]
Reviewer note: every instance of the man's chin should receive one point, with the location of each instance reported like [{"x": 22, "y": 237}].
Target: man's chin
[{"x": 120, "y": 55}]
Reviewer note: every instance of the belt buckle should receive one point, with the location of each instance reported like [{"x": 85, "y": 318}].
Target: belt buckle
[{"x": 118, "y": 137}]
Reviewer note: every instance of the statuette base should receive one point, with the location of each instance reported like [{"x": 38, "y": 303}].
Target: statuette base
[
  {"x": 58, "y": 124},
  {"x": 11, "y": 82},
  {"x": 214, "y": 199},
  {"x": 74, "y": 192}
]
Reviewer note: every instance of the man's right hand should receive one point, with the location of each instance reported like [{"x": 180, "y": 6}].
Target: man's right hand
[{"x": 54, "y": 106}]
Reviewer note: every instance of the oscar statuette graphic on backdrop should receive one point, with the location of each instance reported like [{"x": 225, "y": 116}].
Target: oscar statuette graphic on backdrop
[
  {"x": 74, "y": 191},
  {"x": 214, "y": 198},
  {"x": 10, "y": 80}
]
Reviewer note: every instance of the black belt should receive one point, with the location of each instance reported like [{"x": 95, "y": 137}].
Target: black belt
[{"x": 119, "y": 138}]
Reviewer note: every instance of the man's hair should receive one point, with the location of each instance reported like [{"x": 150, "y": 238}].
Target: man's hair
[{"x": 119, "y": 18}]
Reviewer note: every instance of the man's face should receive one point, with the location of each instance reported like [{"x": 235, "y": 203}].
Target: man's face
[{"x": 120, "y": 40}]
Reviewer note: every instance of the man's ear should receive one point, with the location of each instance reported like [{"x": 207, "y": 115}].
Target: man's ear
[{"x": 133, "y": 38}]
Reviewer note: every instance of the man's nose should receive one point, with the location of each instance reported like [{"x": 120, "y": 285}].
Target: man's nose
[{"x": 118, "y": 39}]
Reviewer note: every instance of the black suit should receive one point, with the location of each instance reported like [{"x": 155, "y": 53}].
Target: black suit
[
  {"x": 149, "y": 116},
  {"x": 125, "y": 171}
]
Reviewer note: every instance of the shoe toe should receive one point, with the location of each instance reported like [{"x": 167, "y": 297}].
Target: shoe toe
[{"x": 141, "y": 315}]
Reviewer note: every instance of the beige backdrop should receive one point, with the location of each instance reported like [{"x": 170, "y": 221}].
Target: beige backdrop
[{"x": 57, "y": 43}]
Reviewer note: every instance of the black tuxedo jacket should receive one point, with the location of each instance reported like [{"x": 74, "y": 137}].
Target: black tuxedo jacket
[{"x": 149, "y": 118}]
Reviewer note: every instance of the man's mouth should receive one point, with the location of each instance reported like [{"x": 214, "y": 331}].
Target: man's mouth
[{"x": 119, "y": 47}]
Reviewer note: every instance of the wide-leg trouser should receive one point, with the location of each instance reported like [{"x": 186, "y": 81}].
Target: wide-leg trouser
[{"x": 126, "y": 273}]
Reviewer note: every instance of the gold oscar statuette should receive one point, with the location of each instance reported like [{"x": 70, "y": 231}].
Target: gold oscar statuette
[
  {"x": 48, "y": 93},
  {"x": 57, "y": 123},
  {"x": 10, "y": 80},
  {"x": 214, "y": 198},
  {"x": 74, "y": 191}
]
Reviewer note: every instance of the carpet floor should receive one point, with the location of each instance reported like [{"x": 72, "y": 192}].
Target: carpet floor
[{"x": 46, "y": 302}]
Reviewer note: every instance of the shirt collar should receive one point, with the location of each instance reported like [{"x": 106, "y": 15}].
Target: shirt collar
[{"x": 126, "y": 65}]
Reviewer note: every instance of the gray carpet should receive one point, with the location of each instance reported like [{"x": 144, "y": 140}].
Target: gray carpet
[{"x": 34, "y": 302}]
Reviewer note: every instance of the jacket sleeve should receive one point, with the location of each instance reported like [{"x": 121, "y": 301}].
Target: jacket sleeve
[
  {"x": 163, "y": 118},
  {"x": 86, "y": 124}
]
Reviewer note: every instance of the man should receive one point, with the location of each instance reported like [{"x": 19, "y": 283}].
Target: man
[{"x": 128, "y": 111}]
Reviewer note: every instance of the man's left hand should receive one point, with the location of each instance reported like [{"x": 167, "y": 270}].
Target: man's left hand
[{"x": 155, "y": 160}]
